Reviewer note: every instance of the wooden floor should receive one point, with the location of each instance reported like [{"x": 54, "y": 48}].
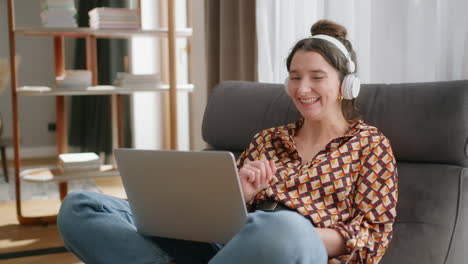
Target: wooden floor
[{"x": 16, "y": 238}]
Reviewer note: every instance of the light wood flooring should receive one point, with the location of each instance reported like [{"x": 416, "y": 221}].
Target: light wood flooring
[{"x": 15, "y": 238}]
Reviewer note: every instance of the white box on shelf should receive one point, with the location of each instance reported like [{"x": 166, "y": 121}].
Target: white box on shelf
[
  {"x": 137, "y": 81},
  {"x": 75, "y": 79},
  {"x": 79, "y": 161}
]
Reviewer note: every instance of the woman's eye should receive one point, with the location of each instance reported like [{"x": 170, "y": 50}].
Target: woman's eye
[
  {"x": 318, "y": 77},
  {"x": 295, "y": 78}
]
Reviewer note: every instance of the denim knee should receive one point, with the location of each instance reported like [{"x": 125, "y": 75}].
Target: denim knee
[
  {"x": 286, "y": 234},
  {"x": 71, "y": 210},
  {"x": 66, "y": 209}
]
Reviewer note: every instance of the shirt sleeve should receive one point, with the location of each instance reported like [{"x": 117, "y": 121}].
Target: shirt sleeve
[
  {"x": 370, "y": 230},
  {"x": 252, "y": 151}
]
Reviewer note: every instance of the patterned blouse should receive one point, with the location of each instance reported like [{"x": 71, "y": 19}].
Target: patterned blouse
[{"x": 350, "y": 186}]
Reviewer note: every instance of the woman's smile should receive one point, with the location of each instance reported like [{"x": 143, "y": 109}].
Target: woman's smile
[{"x": 308, "y": 100}]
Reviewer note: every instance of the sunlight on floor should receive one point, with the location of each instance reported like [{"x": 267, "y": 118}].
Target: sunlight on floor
[{"x": 17, "y": 243}]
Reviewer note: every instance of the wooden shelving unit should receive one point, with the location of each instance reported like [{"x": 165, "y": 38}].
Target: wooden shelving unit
[{"x": 91, "y": 35}]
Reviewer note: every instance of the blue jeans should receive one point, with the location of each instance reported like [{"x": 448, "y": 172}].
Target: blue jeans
[{"x": 100, "y": 229}]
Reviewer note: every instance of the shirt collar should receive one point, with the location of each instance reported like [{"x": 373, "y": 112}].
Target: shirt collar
[
  {"x": 290, "y": 130},
  {"x": 286, "y": 134}
]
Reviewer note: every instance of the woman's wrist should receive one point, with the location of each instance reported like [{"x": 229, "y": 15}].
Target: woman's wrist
[
  {"x": 334, "y": 242},
  {"x": 248, "y": 197}
]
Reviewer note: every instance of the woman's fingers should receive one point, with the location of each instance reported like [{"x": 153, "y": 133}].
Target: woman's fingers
[
  {"x": 259, "y": 172},
  {"x": 256, "y": 166},
  {"x": 259, "y": 164},
  {"x": 261, "y": 179},
  {"x": 247, "y": 174},
  {"x": 273, "y": 166}
]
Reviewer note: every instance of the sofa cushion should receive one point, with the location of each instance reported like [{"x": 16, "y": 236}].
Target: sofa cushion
[
  {"x": 237, "y": 110},
  {"x": 425, "y": 122},
  {"x": 427, "y": 213}
]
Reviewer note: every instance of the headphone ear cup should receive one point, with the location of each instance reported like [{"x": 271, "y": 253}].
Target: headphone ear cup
[{"x": 350, "y": 87}]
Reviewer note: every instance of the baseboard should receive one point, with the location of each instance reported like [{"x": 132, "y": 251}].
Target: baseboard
[
  {"x": 35, "y": 252},
  {"x": 36, "y": 152}
]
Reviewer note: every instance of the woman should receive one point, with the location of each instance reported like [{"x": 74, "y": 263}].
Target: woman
[{"x": 321, "y": 189}]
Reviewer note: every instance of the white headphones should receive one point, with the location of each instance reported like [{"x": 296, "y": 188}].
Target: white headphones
[{"x": 351, "y": 84}]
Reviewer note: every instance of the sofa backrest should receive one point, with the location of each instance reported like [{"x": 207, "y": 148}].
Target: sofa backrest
[
  {"x": 237, "y": 110},
  {"x": 425, "y": 122},
  {"x": 427, "y": 125}
]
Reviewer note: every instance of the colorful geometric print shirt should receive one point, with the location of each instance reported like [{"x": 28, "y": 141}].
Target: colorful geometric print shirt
[{"x": 350, "y": 186}]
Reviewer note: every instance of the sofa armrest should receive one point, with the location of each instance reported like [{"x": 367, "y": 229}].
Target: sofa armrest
[{"x": 457, "y": 252}]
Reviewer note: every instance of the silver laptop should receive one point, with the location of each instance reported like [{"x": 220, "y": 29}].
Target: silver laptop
[{"x": 183, "y": 194}]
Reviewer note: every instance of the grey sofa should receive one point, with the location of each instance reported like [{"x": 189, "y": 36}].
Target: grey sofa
[{"x": 427, "y": 124}]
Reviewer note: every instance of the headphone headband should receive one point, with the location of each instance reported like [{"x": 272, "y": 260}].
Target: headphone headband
[{"x": 351, "y": 67}]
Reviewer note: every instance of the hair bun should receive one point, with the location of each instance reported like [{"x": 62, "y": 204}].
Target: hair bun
[{"x": 328, "y": 27}]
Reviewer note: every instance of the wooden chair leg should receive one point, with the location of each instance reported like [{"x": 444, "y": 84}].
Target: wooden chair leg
[{"x": 4, "y": 163}]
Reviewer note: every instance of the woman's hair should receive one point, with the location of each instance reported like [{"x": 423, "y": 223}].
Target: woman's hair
[{"x": 333, "y": 56}]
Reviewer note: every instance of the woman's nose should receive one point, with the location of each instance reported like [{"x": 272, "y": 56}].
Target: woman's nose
[{"x": 304, "y": 86}]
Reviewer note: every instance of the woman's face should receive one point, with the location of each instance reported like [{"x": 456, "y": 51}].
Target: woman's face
[{"x": 314, "y": 86}]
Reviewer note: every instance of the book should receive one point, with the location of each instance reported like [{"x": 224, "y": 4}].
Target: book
[
  {"x": 114, "y": 18},
  {"x": 113, "y": 11},
  {"x": 58, "y": 13},
  {"x": 79, "y": 161},
  {"x": 58, "y": 4},
  {"x": 137, "y": 81},
  {"x": 74, "y": 79}
]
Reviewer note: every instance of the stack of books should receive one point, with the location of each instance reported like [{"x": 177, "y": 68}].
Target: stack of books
[
  {"x": 58, "y": 13},
  {"x": 137, "y": 81},
  {"x": 79, "y": 161},
  {"x": 75, "y": 79},
  {"x": 114, "y": 18}
]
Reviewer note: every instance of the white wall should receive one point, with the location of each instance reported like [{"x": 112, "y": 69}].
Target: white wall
[{"x": 37, "y": 68}]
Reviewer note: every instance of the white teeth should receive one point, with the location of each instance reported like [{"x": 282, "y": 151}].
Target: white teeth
[{"x": 309, "y": 100}]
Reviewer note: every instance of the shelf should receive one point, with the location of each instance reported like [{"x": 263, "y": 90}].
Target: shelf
[
  {"x": 95, "y": 90},
  {"x": 46, "y": 175},
  {"x": 82, "y": 32}
]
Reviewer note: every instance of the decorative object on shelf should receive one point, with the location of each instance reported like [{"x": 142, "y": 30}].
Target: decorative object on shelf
[
  {"x": 75, "y": 79},
  {"x": 137, "y": 81},
  {"x": 4, "y": 77},
  {"x": 114, "y": 18},
  {"x": 58, "y": 13},
  {"x": 79, "y": 161},
  {"x": 4, "y": 74}
]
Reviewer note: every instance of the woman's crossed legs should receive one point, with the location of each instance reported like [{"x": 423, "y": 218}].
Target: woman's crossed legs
[{"x": 100, "y": 229}]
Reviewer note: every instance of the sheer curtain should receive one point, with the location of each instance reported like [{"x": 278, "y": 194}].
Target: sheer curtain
[{"x": 395, "y": 41}]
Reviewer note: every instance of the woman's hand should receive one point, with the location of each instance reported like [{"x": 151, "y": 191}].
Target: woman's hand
[{"x": 255, "y": 176}]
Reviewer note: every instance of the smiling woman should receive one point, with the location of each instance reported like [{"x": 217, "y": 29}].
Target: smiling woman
[
  {"x": 319, "y": 62},
  {"x": 314, "y": 188}
]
